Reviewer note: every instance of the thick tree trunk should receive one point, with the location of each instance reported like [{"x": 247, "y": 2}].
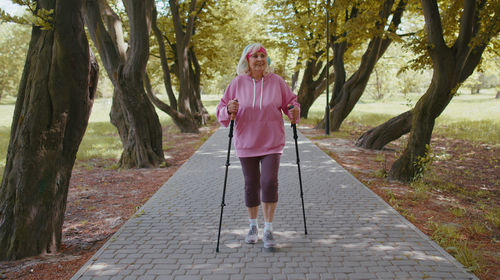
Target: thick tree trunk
[
  {"x": 132, "y": 112},
  {"x": 55, "y": 97},
  {"x": 119, "y": 116},
  {"x": 340, "y": 76},
  {"x": 305, "y": 95},
  {"x": 310, "y": 88},
  {"x": 451, "y": 65},
  {"x": 427, "y": 109},
  {"x": 377, "y": 137},
  {"x": 196, "y": 74},
  {"x": 351, "y": 91},
  {"x": 144, "y": 144},
  {"x": 184, "y": 124}
]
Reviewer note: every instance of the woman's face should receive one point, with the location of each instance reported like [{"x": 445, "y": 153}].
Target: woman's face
[{"x": 257, "y": 62}]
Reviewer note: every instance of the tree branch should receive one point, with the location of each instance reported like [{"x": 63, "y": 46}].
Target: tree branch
[
  {"x": 190, "y": 24},
  {"x": 163, "y": 59},
  {"x": 174, "y": 8},
  {"x": 101, "y": 38},
  {"x": 466, "y": 25},
  {"x": 433, "y": 24}
]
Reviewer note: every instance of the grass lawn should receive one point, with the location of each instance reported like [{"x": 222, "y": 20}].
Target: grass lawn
[
  {"x": 474, "y": 118},
  {"x": 469, "y": 117}
]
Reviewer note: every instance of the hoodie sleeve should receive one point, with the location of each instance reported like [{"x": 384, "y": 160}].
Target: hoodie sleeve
[
  {"x": 288, "y": 98},
  {"x": 222, "y": 115}
]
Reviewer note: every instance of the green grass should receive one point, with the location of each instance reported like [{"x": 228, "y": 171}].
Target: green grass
[
  {"x": 6, "y": 111},
  {"x": 473, "y": 118},
  {"x": 457, "y": 212},
  {"x": 420, "y": 191},
  {"x": 493, "y": 216},
  {"x": 468, "y": 257},
  {"x": 450, "y": 238},
  {"x": 477, "y": 228},
  {"x": 4, "y": 143},
  {"x": 484, "y": 131},
  {"x": 101, "y": 140}
]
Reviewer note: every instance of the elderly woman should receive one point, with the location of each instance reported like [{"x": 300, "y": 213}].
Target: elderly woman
[{"x": 258, "y": 97}]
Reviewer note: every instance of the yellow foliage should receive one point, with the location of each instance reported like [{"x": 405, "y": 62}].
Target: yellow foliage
[{"x": 38, "y": 17}]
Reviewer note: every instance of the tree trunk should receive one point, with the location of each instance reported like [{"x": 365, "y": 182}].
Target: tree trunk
[
  {"x": 347, "y": 94},
  {"x": 451, "y": 65},
  {"x": 339, "y": 50},
  {"x": 376, "y": 138},
  {"x": 188, "y": 111},
  {"x": 295, "y": 75},
  {"x": 310, "y": 88},
  {"x": 427, "y": 109},
  {"x": 55, "y": 97},
  {"x": 189, "y": 80},
  {"x": 195, "y": 68},
  {"x": 144, "y": 144},
  {"x": 186, "y": 122},
  {"x": 305, "y": 95},
  {"x": 132, "y": 112}
]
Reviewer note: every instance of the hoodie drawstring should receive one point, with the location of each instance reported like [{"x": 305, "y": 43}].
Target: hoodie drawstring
[
  {"x": 253, "y": 104},
  {"x": 261, "y": 91}
]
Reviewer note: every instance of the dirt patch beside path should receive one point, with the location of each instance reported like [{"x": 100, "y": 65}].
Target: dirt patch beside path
[
  {"x": 100, "y": 200},
  {"x": 457, "y": 203}
]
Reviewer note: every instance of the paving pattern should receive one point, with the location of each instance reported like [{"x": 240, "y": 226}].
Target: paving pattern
[{"x": 352, "y": 233}]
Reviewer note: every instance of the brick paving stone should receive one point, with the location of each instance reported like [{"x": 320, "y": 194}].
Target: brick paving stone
[{"x": 353, "y": 234}]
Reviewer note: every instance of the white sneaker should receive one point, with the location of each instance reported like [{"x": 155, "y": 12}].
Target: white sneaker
[
  {"x": 268, "y": 239},
  {"x": 252, "y": 236}
]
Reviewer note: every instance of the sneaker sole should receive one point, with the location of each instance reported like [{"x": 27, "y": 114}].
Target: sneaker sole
[{"x": 251, "y": 241}]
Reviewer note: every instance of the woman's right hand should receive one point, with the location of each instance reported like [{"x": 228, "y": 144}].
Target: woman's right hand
[{"x": 232, "y": 106}]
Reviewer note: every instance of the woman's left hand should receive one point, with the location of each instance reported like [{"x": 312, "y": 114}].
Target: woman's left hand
[{"x": 294, "y": 113}]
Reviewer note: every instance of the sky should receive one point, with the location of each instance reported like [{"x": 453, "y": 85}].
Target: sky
[{"x": 10, "y": 7}]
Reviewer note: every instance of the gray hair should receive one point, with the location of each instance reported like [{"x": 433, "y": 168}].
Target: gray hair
[{"x": 242, "y": 68}]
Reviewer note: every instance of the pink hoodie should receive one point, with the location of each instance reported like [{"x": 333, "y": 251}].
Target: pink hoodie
[{"x": 259, "y": 125}]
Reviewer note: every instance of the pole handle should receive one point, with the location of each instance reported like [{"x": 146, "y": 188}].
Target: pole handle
[{"x": 293, "y": 119}]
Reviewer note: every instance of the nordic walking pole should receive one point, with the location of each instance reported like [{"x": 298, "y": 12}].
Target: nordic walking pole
[
  {"x": 294, "y": 126},
  {"x": 231, "y": 126}
]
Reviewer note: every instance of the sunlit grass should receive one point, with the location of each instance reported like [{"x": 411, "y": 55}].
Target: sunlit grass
[
  {"x": 420, "y": 191},
  {"x": 485, "y": 131},
  {"x": 450, "y": 238},
  {"x": 101, "y": 140},
  {"x": 474, "y": 118},
  {"x": 493, "y": 216},
  {"x": 4, "y": 143},
  {"x": 6, "y": 112},
  {"x": 477, "y": 228},
  {"x": 457, "y": 212},
  {"x": 470, "y": 258}
]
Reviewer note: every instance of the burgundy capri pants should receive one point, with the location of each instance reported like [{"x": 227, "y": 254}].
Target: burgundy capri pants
[{"x": 260, "y": 181}]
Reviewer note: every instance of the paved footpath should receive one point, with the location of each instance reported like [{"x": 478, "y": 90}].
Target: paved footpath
[{"x": 352, "y": 233}]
